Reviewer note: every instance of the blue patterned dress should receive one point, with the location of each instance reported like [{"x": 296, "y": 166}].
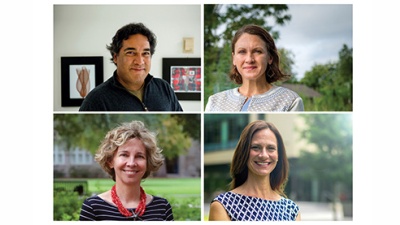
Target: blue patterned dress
[{"x": 246, "y": 208}]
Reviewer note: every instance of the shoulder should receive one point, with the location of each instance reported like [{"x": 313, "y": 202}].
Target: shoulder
[
  {"x": 225, "y": 197},
  {"x": 156, "y": 200},
  {"x": 156, "y": 81},
  {"x": 223, "y": 94},
  {"x": 101, "y": 90},
  {"x": 218, "y": 211},
  {"x": 228, "y": 100},
  {"x": 290, "y": 204},
  {"x": 95, "y": 199},
  {"x": 284, "y": 91}
]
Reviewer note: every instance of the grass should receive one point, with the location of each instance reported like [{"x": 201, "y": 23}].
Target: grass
[
  {"x": 156, "y": 186},
  {"x": 184, "y": 194}
]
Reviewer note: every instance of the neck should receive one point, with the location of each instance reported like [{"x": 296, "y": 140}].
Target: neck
[
  {"x": 132, "y": 86},
  {"x": 128, "y": 194},
  {"x": 259, "y": 187}
]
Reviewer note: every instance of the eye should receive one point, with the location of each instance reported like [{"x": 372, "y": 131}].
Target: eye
[
  {"x": 258, "y": 51},
  {"x": 129, "y": 53},
  {"x": 255, "y": 147},
  {"x": 141, "y": 156},
  {"x": 241, "y": 51},
  {"x": 123, "y": 155}
]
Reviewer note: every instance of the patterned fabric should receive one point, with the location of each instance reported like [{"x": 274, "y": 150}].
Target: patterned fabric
[
  {"x": 277, "y": 99},
  {"x": 245, "y": 208},
  {"x": 95, "y": 208}
]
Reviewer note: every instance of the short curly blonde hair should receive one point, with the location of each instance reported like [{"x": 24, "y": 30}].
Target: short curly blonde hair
[{"x": 119, "y": 136}]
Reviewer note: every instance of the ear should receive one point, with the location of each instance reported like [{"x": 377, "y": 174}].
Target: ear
[
  {"x": 115, "y": 58},
  {"x": 110, "y": 164}
]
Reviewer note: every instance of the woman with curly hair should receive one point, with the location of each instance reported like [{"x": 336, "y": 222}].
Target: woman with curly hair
[{"x": 129, "y": 154}]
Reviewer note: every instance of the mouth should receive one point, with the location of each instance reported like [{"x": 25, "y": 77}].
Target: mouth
[
  {"x": 137, "y": 69},
  {"x": 130, "y": 171},
  {"x": 263, "y": 163},
  {"x": 249, "y": 67}
]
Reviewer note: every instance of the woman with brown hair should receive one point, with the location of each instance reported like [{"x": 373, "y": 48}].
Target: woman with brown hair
[
  {"x": 259, "y": 172},
  {"x": 255, "y": 67}
]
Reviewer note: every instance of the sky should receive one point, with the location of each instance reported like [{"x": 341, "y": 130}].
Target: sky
[{"x": 316, "y": 34}]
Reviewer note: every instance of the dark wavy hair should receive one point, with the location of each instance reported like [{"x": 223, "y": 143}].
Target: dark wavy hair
[
  {"x": 273, "y": 73},
  {"x": 125, "y": 32},
  {"x": 239, "y": 170}
]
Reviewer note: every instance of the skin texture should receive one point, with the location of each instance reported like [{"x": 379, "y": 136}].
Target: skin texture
[
  {"x": 133, "y": 61},
  {"x": 251, "y": 59}
]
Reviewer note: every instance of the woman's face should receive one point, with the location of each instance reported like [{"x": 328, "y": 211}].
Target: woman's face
[
  {"x": 130, "y": 162},
  {"x": 251, "y": 57},
  {"x": 263, "y": 153}
]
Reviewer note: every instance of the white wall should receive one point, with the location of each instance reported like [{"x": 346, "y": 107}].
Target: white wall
[{"x": 85, "y": 30}]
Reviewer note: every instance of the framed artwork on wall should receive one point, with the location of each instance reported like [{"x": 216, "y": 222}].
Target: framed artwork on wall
[
  {"x": 184, "y": 76},
  {"x": 79, "y": 75}
]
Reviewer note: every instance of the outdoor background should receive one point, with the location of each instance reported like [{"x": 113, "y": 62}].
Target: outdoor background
[
  {"x": 315, "y": 44},
  {"x": 77, "y": 176},
  {"x": 320, "y": 152}
]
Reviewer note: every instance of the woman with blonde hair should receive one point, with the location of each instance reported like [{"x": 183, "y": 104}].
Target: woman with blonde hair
[{"x": 129, "y": 154}]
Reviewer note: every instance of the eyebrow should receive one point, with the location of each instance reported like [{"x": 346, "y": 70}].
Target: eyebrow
[{"x": 134, "y": 49}]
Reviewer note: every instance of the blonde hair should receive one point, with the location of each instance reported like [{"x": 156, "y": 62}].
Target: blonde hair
[{"x": 119, "y": 136}]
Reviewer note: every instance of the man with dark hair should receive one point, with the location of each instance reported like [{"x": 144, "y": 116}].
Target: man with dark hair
[{"x": 132, "y": 88}]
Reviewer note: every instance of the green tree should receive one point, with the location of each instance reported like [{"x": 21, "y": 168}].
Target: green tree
[
  {"x": 331, "y": 163},
  {"x": 334, "y": 81}
]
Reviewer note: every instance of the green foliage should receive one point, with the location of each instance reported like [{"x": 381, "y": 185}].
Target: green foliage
[
  {"x": 87, "y": 130},
  {"x": 66, "y": 205},
  {"x": 334, "y": 81},
  {"x": 332, "y": 134},
  {"x": 186, "y": 209}
]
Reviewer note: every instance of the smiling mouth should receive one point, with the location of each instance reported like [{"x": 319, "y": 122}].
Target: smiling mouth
[
  {"x": 263, "y": 163},
  {"x": 130, "y": 171}
]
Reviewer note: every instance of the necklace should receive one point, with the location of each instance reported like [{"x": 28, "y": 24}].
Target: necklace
[{"x": 139, "y": 210}]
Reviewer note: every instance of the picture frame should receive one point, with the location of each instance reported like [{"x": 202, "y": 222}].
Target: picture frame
[
  {"x": 185, "y": 77},
  {"x": 79, "y": 75}
]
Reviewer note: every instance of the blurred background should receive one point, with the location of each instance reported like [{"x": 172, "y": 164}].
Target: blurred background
[
  {"x": 77, "y": 176},
  {"x": 314, "y": 43},
  {"x": 320, "y": 153}
]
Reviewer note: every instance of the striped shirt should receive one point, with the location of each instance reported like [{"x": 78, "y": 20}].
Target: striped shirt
[{"x": 95, "y": 208}]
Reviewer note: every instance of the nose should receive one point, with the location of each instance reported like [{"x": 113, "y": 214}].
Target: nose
[
  {"x": 263, "y": 153},
  {"x": 131, "y": 162},
  {"x": 139, "y": 59},
  {"x": 249, "y": 58}
]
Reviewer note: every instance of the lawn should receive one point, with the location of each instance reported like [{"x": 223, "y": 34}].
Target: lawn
[
  {"x": 184, "y": 195},
  {"x": 156, "y": 186}
]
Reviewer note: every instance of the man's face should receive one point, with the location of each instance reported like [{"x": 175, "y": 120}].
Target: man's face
[{"x": 133, "y": 61}]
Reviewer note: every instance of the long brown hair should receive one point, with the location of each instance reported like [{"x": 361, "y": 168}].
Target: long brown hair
[{"x": 239, "y": 169}]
